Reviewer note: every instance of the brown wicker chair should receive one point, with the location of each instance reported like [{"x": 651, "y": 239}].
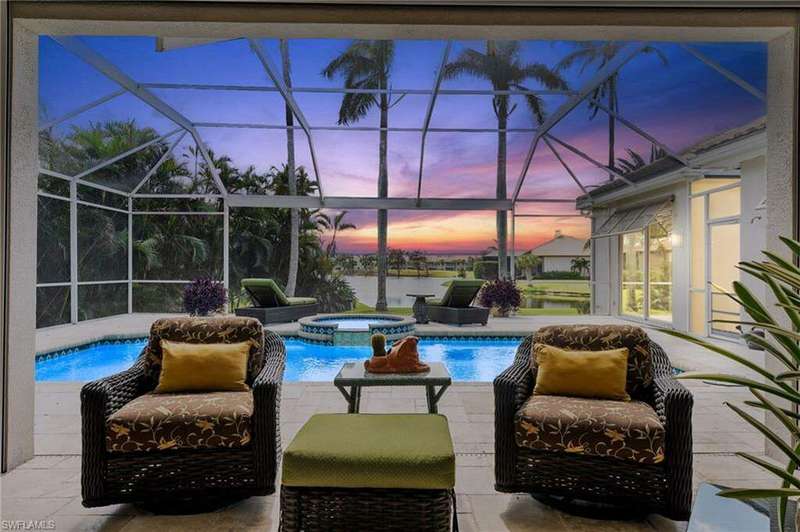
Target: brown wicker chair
[
  {"x": 664, "y": 487},
  {"x": 115, "y": 471}
]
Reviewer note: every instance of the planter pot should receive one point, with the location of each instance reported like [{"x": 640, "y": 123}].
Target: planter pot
[{"x": 497, "y": 313}]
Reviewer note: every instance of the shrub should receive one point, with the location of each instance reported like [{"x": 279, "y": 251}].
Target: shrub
[
  {"x": 559, "y": 275},
  {"x": 334, "y": 294},
  {"x": 501, "y": 294},
  {"x": 485, "y": 269},
  {"x": 203, "y": 296}
]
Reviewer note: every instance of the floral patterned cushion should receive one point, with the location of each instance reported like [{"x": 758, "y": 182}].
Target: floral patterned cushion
[
  {"x": 160, "y": 422},
  {"x": 616, "y": 429},
  {"x": 196, "y": 330},
  {"x": 602, "y": 338}
]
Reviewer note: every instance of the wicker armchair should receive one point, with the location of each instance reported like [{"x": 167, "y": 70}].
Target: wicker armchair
[
  {"x": 163, "y": 466},
  {"x": 664, "y": 487}
]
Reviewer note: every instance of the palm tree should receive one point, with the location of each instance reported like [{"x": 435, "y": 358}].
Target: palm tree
[
  {"x": 366, "y": 64},
  {"x": 397, "y": 258},
  {"x": 503, "y": 67},
  {"x": 579, "y": 265},
  {"x": 635, "y": 160},
  {"x": 528, "y": 262},
  {"x": 337, "y": 224},
  {"x": 294, "y": 230},
  {"x": 600, "y": 53}
]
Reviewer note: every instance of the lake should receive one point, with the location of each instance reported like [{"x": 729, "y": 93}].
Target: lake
[{"x": 366, "y": 288}]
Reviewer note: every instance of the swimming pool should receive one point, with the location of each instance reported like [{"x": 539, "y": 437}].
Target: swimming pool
[{"x": 479, "y": 359}]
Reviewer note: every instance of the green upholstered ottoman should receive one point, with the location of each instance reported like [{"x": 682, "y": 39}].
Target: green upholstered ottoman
[{"x": 369, "y": 472}]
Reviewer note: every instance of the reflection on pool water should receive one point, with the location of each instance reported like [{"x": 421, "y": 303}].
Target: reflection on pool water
[{"x": 478, "y": 359}]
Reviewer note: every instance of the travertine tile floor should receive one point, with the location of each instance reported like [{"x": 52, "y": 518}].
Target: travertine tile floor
[{"x": 48, "y": 487}]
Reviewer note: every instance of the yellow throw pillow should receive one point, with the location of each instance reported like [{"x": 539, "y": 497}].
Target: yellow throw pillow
[
  {"x": 594, "y": 374},
  {"x": 203, "y": 367}
]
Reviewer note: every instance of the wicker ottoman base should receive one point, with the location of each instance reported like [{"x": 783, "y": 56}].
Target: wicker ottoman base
[{"x": 348, "y": 509}]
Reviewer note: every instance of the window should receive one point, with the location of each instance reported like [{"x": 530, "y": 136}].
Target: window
[
  {"x": 646, "y": 279},
  {"x": 715, "y": 247}
]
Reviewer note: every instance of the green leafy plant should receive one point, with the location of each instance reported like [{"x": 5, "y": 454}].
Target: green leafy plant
[{"x": 781, "y": 343}]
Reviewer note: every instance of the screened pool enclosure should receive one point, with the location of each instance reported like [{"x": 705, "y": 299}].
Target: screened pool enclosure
[{"x": 131, "y": 209}]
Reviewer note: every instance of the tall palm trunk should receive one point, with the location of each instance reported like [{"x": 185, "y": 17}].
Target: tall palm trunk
[
  {"x": 502, "y": 218},
  {"x": 612, "y": 123},
  {"x": 294, "y": 230},
  {"x": 383, "y": 191}
]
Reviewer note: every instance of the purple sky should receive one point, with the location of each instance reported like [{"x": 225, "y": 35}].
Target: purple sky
[{"x": 679, "y": 104}]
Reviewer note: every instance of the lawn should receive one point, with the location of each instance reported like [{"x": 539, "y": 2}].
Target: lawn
[
  {"x": 408, "y": 272},
  {"x": 578, "y": 287},
  {"x": 361, "y": 308}
]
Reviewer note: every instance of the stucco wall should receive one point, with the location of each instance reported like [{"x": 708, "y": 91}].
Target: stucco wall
[
  {"x": 753, "y": 234},
  {"x": 22, "y": 257},
  {"x": 557, "y": 264}
]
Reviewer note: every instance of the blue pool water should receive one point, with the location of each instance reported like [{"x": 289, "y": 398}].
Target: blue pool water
[{"x": 467, "y": 360}]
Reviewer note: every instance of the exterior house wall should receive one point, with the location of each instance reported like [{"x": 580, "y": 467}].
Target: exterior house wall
[
  {"x": 603, "y": 252},
  {"x": 753, "y": 239},
  {"x": 557, "y": 264}
]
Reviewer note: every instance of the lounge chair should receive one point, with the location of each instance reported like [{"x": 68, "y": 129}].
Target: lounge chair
[
  {"x": 635, "y": 454},
  {"x": 454, "y": 307},
  {"x": 145, "y": 447},
  {"x": 271, "y": 305}
]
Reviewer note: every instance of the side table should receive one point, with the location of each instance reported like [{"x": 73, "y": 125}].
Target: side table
[{"x": 420, "y": 307}]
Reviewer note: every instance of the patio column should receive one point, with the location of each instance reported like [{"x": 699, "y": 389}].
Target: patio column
[
  {"x": 781, "y": 211},
  {"x": 21, "y": 219}
]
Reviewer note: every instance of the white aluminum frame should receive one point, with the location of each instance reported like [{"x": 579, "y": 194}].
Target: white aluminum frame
[{"x": 186, "y": 126}]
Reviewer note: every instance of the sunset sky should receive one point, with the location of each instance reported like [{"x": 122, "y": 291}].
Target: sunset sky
[{"x": 679, "y": 103}]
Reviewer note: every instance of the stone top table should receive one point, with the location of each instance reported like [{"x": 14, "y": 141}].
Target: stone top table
[
  {"x": 712, "y": 513},
  {"x": 355, "y": 377}
]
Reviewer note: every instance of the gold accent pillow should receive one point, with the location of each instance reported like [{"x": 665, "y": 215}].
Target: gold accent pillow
[
  {"x": 203, "y": 367},
  {"x": 593, "y": 374}
]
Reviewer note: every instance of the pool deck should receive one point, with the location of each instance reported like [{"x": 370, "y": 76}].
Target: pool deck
[{"x": 48, "y": 487}]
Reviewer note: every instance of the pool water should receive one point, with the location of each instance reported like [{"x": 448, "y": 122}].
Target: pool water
[
  {"x": 355, "y": 324},
  {"x": 467, "y": 360}
]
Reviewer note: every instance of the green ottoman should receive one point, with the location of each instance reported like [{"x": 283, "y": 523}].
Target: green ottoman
[{"x": 369, "y": 472}]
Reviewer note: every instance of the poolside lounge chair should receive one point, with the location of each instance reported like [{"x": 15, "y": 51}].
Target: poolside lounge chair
[
  {"x": 454, "y": 307},
  {"x": 635, "y": 454},
  {"x": 164, "y": 448},
  {"x": 271, "y": 305}
]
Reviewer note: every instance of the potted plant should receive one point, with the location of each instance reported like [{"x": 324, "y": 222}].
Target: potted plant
[
  {"x": 782, "y": 278},
  {"x": 500, "y": 295},
  {"x": 203, "y": 296}
]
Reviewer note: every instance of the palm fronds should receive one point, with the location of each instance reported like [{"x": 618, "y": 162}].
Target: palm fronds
[{"x": 782, "y": 278}]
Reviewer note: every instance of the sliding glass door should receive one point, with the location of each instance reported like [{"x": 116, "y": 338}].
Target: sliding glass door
[
  {"x": 646, "y": 273},
  {"x": 633, "y": 257}
]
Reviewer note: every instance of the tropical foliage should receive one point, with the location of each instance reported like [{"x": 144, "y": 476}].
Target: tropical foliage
[
  {"x": 774, "y": 392},
  {"x": 168, "y": 247},
  {"x": 635, "y": 160},
  {"x": 528, "y": 263}
]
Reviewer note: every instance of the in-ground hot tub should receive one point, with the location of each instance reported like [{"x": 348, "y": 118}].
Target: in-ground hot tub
[{"x": 354, "y": 329}]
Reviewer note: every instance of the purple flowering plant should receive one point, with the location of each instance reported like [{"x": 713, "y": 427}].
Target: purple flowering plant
[
  {"x": 203, "y": 296},
  {"x": 502, "y": 295}
]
